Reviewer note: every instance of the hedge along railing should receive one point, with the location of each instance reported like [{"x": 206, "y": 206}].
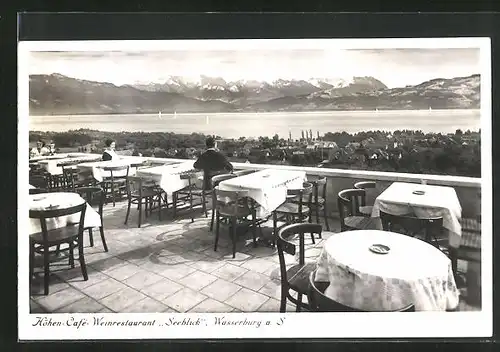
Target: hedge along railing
[{"x": 468, "y": 188}]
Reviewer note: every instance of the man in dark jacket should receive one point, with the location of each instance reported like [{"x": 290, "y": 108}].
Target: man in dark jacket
[{"x": 212, "y": 162}]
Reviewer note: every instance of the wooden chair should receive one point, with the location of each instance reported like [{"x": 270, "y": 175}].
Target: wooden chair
[
  {"x": 428, "y": 229},
  {"x": 348, "y": 202},
  {"x": 94, "y": 197},
  {"x": 215, "y": 182},
  {"x": 296, "y": 277},
  {"x": 236, "y": 208},
  {"x": 139, "y": 193},
  {"x": 72, "y": 235},
  {"x": 319, "y": 200},
  {"x": 364, "y": 209},
  {"x": 190, "y": 192},
  {"x": 115, "y": 184},
  {"x": 296, "y": 209},
  {"x": 319, "y": 302}
]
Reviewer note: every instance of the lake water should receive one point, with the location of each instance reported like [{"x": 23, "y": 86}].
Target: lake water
[{"x": 267, "y": 124}]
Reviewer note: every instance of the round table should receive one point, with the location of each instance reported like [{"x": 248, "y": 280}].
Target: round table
[
  {"x": 61, "y": 200},
  {"x": 412, "y": 272}
]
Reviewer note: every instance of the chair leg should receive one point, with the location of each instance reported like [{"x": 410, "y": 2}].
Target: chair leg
[
  {"x": 103, "y": 239},
  {"x": 316, "y": 212},
  {"x": 46, "y": 270},
  {"x": 204, "y": 204},
  {"x": 81, "y": 258},
  {"x": 91, "y": 238},
  {"x": 140, "y": 213},
  {"x": 191, "y": 205},
  {"x": 159, "y": 207},
  {"x": 325, "y": 216},
  {"x": 113, "y": 193},
  {"x": 217, "y": 228},
  {"x": 254, "y": 229},
  {"x": 283, "y": 299},
  {"x": 71, "y": 255},
  {"x": 275, "y": 227},
  {"x": 128, "y": 211},
  {"x": 213, "y": 216},
  {"x": 299, "y": 303},
  {"x": 174, "y": 205},
  {"x": 233, "y": 235},
  {"x": 32, "y": 261}
]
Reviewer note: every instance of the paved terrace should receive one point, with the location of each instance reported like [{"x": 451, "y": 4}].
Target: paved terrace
[{"x": 169, "y": 266}]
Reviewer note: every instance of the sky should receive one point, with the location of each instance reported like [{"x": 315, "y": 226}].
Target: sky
[{"x": 394, "y": 67}]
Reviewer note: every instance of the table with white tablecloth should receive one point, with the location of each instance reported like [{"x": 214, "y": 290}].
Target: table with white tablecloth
[
  {"x": 48, "y": 157},
  {"x": 51, "y": 165},
  {"x": 412, "y": 272},
  {"x": 60, "y": 200},
  {"x": 96, "y": 169},
  {"x": 436, "y": 201},
  {"x": 267, "y": 187},
  {"x": 168, "y": 176}
]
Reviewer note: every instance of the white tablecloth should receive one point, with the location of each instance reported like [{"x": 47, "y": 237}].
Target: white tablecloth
[
  {"x": 63, "y": 200},
  {"x": 51, "y": 165},
  {"x": 413, "y": 272},
  {"x": 95, "y": 169},
  {"x": 398, "y": 199},
  {"x": 168, "y": 177},
  {"x": 266, "y": 187},
  {"x": 49, "y": 157}
]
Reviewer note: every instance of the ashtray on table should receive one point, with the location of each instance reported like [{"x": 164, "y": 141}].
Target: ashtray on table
[
  {"x": 419, "y": 193},
  {"x": 379, "y": 249}
]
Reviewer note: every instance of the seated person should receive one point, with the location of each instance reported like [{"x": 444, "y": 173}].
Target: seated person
[
  {"x": 212, "y": 162},
  {"x": 40, "y": 149},
  {"x": 109, "y": 152}
]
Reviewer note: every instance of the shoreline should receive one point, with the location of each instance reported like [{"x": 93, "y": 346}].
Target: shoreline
[{"x": 309, "y": 112}]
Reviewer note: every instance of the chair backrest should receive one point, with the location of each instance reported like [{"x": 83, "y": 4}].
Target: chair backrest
[
  {"x": 135, "y": 184},
  {"x": 45, "y": 214},
  {"x": 113, "y": 169},
  {"x": 39, "y": 181},
  {"x": 230, "y": 201},
  {"x": 243, "y": 172},
  {"x": 320, "y": 190},
  {"x": 365, "y": 185},
  {"x": 219, "y": 178},
  {"x": 349, "y": 201},
  {"x": 431, "y": 227},
  {"x": 285, "y": 245},
  {"x": 93, "y": 196},
  {"x": 319, "y": 302}
]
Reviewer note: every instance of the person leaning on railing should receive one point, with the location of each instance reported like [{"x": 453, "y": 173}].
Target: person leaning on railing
[
  {"x": 40, "y": 149},
  {"x": 212, "y": 162}
]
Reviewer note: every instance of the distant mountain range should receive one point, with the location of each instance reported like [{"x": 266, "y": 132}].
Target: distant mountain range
[{"x": 56, "y": 94}]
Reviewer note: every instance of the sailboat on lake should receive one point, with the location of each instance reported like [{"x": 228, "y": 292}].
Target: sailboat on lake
[
  {"x": 159, "y": 115},
  {"x": 175, "y": 115},
  {"x": 207, "y": 121}
]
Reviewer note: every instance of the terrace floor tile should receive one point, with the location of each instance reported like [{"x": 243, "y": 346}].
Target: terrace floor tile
[
  {"x": 84, "y": 305},
  {"x": 197, "y": 280},
  {"x": 122, "y": 299},
  {"x": 162, "y": 289},
  {"x": 141, "y": 279},
  {"x": 59, "y": 299},
  {"x": 211, "y": 306},
  {"x": 246, "y": 300},
  {"x": 103, "y": 289},
  {"x": 258, "y": 265},
  {"x": 229, "y": 272},
  {"x": 123, "y": 272},
  {"x": 221, "y": 290},
  {"x": 184, "y": 300},
  {"x": 252, "y": 280},
  {"x": 147, "y": 305}
]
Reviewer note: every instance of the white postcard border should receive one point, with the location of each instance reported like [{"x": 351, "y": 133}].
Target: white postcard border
[{"x": 289, "y": 325}]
